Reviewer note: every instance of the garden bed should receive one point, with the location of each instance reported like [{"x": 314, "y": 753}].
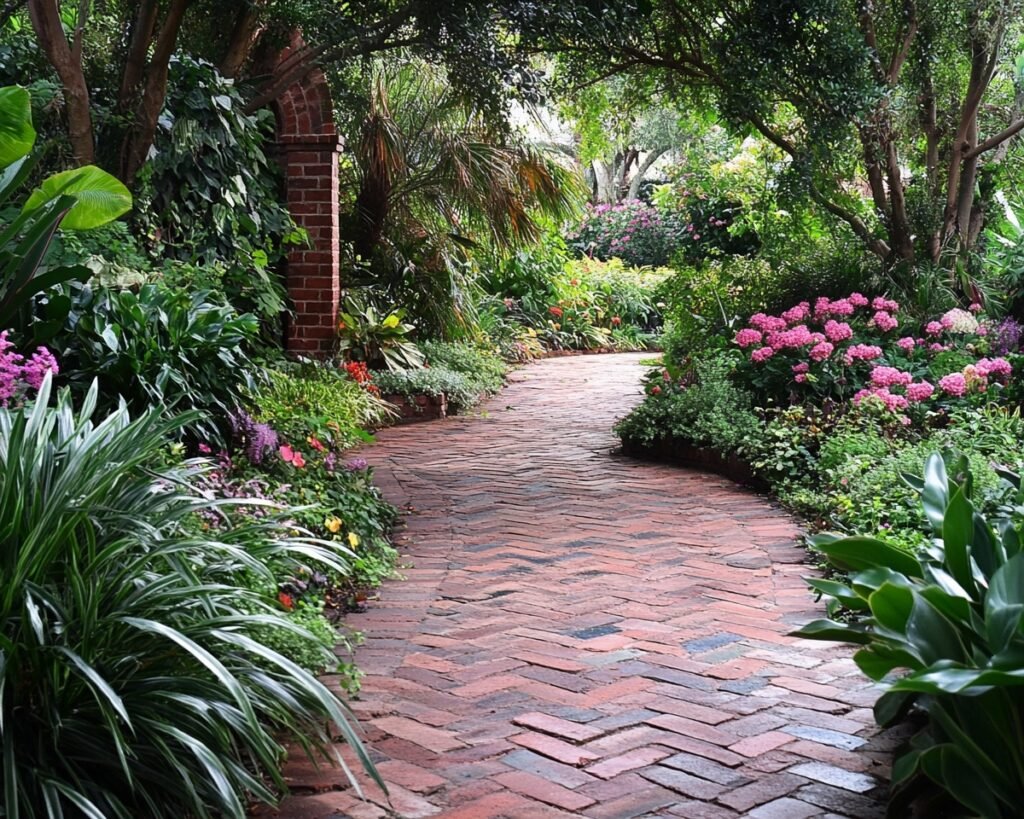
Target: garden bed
[
  {"x": 414, "y": 408},
  {"x": 710, "y": 460}
]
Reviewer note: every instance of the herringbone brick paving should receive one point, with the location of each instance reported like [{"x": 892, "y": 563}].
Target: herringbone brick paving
[{"x": 582, "y": 634}]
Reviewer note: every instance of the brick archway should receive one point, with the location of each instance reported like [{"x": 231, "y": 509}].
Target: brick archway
[{"x": 309, "y": 147}]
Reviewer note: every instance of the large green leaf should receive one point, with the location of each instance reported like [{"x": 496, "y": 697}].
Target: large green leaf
[
  {"x": 101, "y": 198},
  {"x": 957, "y": 530},
  {"x": 17, "y": 136},
  {"x": 857, "y": 553},
  {"x": 1004, "y": 604},
  {"x": 829, "y": 630},
  {"x": 935, "y": 493}
]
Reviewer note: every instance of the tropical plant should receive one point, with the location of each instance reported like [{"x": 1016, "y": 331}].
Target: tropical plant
[
  {"x": 161, "y": 346},
  {"x": 377, "y": 337},
  {"x": 78, "y": 199},
  {"x": 435, "y": 182},
  {"x": 951, "y": 617},
  {"x": 131, "y": 683}
]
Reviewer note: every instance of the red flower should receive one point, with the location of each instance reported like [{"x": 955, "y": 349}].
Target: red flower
[
  {"x": 655, "y": 390},
  {"x": 555, "y": 311},
  {"x": 316, "y": 444},
  {"x": 286, "y": 600},
  {"x": 616, "y": 321}
]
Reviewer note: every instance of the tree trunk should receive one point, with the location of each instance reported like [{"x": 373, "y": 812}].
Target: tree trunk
[
  {"x": 246, "y": 32},
  {"x": 138, "y": 47},
  {"x": 638, "y": 178},
  {"x": 603, "y": 176},
  {"x": 66, "y": 59},
  {"x": 139, "y": 138}
]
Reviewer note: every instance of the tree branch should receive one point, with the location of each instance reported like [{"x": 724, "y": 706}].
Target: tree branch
[{"x": 995, "y": 140}]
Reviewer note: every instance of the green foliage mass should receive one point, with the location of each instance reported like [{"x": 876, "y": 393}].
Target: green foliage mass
[{"x": 133, "y": 681}]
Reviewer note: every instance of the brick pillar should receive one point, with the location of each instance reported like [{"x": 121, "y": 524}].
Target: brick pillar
[{"x": 311, "y": 172}]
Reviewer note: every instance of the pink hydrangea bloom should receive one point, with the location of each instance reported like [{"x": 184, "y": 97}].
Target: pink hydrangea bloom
[
  {"x": 797, "y": 314},
  {"x": 920, "y": 391},
  {"x": 882, "y": 303},
  {"x": 934, "y": 328},
  {"x": 884, "y": 321},
  {"x": 935, "y": 347},
  {"x": 959, "y": 321},
  {"x": 800, "y": 378},
  {"x": 762, "y": 354},
  {"x": 837, "y": 331},
  {"x": 906, "y": 344},
  {"x": 862, "y": 352},
  {"x": 802, "y": 367},
  {"x": 975, "y": 307},
  {"x": 891, "y": 401},
  {"x": 767, "y": 324},
  {"x": 36, "y": 368},
  {"x": 982, "y": 330},
  {"x": 954, "y": 384},
  {"x": 858, "y": 300},
  {"x": 994, "y": 366},
  {"x": 890, "y": 377},
  {"x": 748, "y": 337},
  {"x": 821, "y": 351},
  {"x": 841, "y": 307},
  {"x": 821, "y": 307}
]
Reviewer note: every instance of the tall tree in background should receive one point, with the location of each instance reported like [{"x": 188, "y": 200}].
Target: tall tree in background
[
  {"x": 120, "y": 50},
  {"x": 912, "y": 98}
]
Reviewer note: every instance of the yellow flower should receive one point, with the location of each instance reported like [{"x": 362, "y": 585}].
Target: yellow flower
[
  {"x": 353, "y": 539},
  {"x": 332, "y": 524}
]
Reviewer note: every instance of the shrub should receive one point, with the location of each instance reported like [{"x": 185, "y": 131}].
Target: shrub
[
  {"x": 708, "y": 410},
  {"x": 483, "y": 369},
  {"x": 952, "y": 618},
  {"x": 131, "y": 683},
  {"x": 860, "y": 349},
  {"x": 210, "y": 194},
  {"x": 633, "y": 231},
  {"x": 433, "y": 381},
  {"x": 309, "y": 398},
  {"x": 161, "y": 346}
]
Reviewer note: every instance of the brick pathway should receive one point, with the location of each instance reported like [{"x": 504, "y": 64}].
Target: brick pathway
[{"x": 581, "y": 634}]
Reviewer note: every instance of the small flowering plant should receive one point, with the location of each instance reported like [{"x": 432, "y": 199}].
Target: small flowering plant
[
  {"x": 20, "y": 376},
  {"x": 859, "y": 349},
  {"x": 633, "y": 231}
]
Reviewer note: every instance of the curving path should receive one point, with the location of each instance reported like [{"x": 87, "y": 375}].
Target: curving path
[{"x": 582, "y": 634}]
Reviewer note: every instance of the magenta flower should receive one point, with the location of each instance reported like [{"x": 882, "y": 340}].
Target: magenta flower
[
  {"x": 762, "y": 354},
  {"x": 907, "y": 344},
  {"x": 748, "y": 337},
  {"x": 890, "y": 377},
  {"x": 954, "y": 384},
  {"x": 884, "y": 321},
  {"x": 934, "y": 328},
  {"x": 920, "y": 391},
  {"x": 836, "y": 331},
  {"x": 821, "y": 351}
]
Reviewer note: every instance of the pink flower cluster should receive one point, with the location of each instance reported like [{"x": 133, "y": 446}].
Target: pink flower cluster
[
  {"x": 18, "y": 375},
  {"x": 843, "y": 348}
]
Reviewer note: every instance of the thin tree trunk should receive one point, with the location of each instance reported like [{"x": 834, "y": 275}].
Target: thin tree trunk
[
  {"x": 138, "y": 48},
  {"x": 66, "y": 59},
  {"x": 140, "y": 136},
  {"x": 645, "y": 166},
  {"x": 246, "y": 32}
]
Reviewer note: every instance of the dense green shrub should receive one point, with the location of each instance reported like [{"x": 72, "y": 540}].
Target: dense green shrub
[
  {"x": 210, "y": 196},
  {"x": 310, "y": 398},
  {"x": 708, "y": 410},
  {"x": 132, "y": 681},
  {"x": 160, "y": 346},
  {"x": 482, "y": 367},
  {"x": 433, "y": 381}
]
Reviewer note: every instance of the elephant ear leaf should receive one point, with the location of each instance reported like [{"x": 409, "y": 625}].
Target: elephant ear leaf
[
  {"x": 17, "y": 136},
  {"x": 100, "y": 197}
]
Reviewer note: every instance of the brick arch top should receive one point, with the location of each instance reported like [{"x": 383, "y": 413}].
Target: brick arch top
[{"x": 309, "y": 148}]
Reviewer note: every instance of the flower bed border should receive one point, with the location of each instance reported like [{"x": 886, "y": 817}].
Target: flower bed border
[
  {"x": 415, "y": 408},
  {"x": 710, "y": 460}
]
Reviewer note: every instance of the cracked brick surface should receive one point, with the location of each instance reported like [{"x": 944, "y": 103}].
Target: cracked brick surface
[{"x": 582, "y": 634}]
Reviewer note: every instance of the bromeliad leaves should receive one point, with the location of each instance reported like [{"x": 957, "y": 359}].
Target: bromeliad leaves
[{"x": 951, "y": 620}]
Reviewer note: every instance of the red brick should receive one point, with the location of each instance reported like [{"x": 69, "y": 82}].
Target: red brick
[
  {"x": 536, "y": 787},
  {"x": 761, "y": 743},
  {"x": 629, "y": 761},
  {"x": 554, "y": 748},
  {"x": 557, "y": 727}
]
